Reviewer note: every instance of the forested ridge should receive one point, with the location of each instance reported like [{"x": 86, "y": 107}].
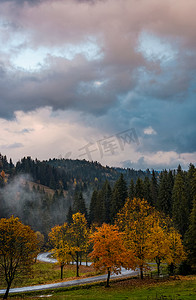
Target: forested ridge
[{"x": 98, "y": 192}]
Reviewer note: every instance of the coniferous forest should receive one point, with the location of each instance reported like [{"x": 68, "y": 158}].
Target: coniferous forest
[{"x": 44, "y": 194}]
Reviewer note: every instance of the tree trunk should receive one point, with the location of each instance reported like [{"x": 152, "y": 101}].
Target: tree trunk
[
  {"x": 62, "y": 271},
  {"x": 86, "y": 260},
  {"x": 158, "y": 265},
  {"x": 7, "y": 292},
  {"x": 141, "y": 272},
  {"x": 108, "y": 278},
  {"x": 77, "y": 264}
]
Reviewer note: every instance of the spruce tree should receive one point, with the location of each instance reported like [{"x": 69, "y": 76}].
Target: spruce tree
[
  {"x": 131, "y": 190},
  {"x": 154, "y": 189},
  {"x": 139, "y": 188},
  {"x": 119, "y": 196},
  {"x": 164, "y": 200},
  {"x": 190, "y": 237},
  {"x": 79, "y": 204},
  {"x": 106, "y": 194},
  {"x": 191, "y": 185},
  {"x": 69, "y": 215},
  {"x": 93, "y": 205},
  {"x": 180, "y": 211},
  {"x": 147, "y": 190}
]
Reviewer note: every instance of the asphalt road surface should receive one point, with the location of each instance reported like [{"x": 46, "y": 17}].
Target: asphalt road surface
[{"x": 45, "y": 257}]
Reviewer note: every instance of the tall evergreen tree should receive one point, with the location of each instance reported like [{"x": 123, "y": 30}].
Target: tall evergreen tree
[
  {"x": 93, "y": 205},
  {"x": 190, "y": 237},
  {"x": 154, "y": 189},
  {"x": 69, "y": 215},
  {"x": 106, "y": 194},
  {"x": 191, "y": 185},
  {"x": 139, "y": 188},
  {"x": 119, "y": 195},
  {"x": 79, "y": 204},
  {"x": 131, "y": 190},
  {"x": 180, "y": 211},
  {"x": 164, "y": 196},
  {"x": 170, "y": 179},
  {"x": 147, "y": 190}
]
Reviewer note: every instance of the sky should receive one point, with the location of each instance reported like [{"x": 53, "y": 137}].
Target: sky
[{"x": 112, "y": 81}]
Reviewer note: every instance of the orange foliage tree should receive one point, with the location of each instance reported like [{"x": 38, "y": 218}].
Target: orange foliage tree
[
  {"x": 18, "y": 248},
  {"x": 109, "y": 253}
]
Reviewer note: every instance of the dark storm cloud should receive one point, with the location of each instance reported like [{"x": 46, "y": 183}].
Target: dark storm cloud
[{"x": 122, "y": 85}]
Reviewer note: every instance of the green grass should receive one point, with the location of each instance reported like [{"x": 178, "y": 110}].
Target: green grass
[
  {"x": 47, "y": 273},
  {"x": 133, "y": 289}
]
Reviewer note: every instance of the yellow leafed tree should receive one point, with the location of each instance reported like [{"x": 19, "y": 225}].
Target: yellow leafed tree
[
  {"x": 70, "y": 241},
  {"x": 18, "y": 248},
  {"x": 78, "y": 238},
  {"x": 177, "y": 252},
  {"x": 59, "y": 239},
  {"x": 159, "y": 242},
  {"x": 136, "y": 219}
]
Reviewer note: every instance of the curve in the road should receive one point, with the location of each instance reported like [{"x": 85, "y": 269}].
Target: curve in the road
[{"x": 46, "y": 258}]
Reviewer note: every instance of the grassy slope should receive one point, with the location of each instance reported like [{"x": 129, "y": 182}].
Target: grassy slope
[
  {"x": 134, "y": 289},
  {"x": 48, "y": 273}
]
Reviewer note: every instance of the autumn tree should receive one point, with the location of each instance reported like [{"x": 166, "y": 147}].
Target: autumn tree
[
  {"x": 177, "y": 252},
  {"x": 40, "y": 238},
  {"x": 159, "y": 241},
  {"x": 61, "y": 248},
  {"x": 78, "y": 238},
  {"x": 135, "y": 220},
  {"x": 18, "y": 248},
  {"x": 109, "y": 253}
]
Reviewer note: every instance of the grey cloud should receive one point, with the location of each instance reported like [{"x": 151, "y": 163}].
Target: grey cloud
[
  {"x": 12, "y": 146},
  {"x": 142, "y": 164},
  {"x": 163, "y": 97}
]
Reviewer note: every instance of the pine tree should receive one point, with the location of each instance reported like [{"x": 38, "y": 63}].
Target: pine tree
[
  {"x": 190, "y": 237},
  {"x": 154, "y": 189},
  {"x": 164, "y": 200},
  {"x": 106, "y": 194},
  {"x": 191, "y": 185},
  {"x": 79, "y": 204},
  {"x": 119, "y": 196},
  {"x": 131, "y": 190},
  {"x": 139, "y": 188},
  {"x": 69, "y": 215},
  {"x": 147, "y": 190},
  {"x": 93, "y": 205},
  {"x": 170, "y": 179},
  {"x": 180, "y": 211}
]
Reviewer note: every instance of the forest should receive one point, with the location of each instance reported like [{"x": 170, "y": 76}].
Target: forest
[{"x": 46, "y": 194}]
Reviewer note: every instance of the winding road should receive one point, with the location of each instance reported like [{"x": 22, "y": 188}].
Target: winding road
[{"x": 45, "y": 257}]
